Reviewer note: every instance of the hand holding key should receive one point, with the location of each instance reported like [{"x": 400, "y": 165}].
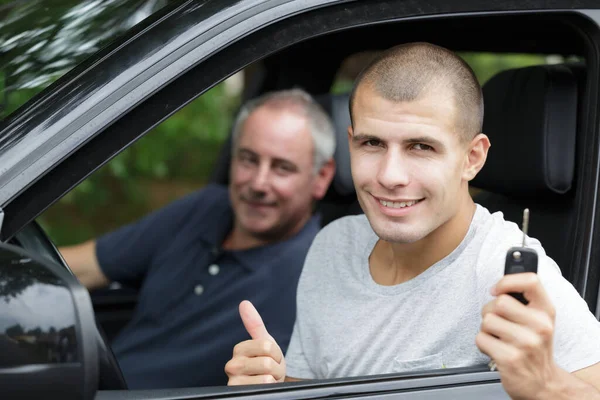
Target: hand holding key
[
  {"x": 518, "y": 326},
  {"x": 259, "y": 360}
]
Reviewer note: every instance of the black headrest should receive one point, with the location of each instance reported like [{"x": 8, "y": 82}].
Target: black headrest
[
  {"x": 336, "y": 105},
  {"x": 531, "y": 120}
]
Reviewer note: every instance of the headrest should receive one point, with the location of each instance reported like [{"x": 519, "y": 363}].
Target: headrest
[
  {"x": 531, "y": 120},
  {"x": 336, "y": 105}
]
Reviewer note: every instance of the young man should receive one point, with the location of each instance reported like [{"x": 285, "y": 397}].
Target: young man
[
  {"x": 196, "y": 259},
  {"x": 417, "y": 282}
]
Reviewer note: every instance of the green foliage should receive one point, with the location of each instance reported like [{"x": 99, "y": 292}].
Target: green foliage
[{"x": 173, "y": 159}]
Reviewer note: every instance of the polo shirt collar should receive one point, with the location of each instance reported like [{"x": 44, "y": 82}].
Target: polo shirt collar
[
  {"x": 255, "y": 257},
  {"x": 220, "y": 222}
]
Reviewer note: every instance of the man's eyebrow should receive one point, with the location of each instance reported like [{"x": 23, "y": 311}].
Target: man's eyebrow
[
  {"x": 285, "y": 162},
  {"x": 245, "y": 151},
  {"x": 364, "y": 137},
  {"x": 425, "y": 140}
]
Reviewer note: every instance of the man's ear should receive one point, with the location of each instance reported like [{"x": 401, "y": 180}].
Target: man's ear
[
  {"x": 476, "y": 156},
  {"x": 350, "y": 133},
  {"x": 323, "y": 179}
]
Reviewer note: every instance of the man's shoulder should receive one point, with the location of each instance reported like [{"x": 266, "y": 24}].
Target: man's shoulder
[
  {"x": 203, "y": 207},
  {"x": 495, "y": 236},
  {"x": 203, "y": 200},
  {"x": 499, "y": 233},
  {"x": 213, "y": 192}
]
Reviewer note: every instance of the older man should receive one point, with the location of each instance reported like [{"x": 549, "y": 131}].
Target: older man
[{"x": 197, "y": 258}]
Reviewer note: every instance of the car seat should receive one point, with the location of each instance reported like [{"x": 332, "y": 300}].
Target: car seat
[{"x": 531, "y": 120}]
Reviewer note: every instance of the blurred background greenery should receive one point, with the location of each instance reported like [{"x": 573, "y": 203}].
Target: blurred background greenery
[
  {"x": 42, "y": 39},
  {"x": 172, "y": 160}
]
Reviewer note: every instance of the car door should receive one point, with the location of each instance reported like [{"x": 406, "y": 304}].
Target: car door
[{"x": 103, "y": 105}]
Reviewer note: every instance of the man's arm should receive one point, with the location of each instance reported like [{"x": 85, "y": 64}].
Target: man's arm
[
  {"x": 519, "y": 338},
  {"x": 582, "y": 384},
  {"x": 590, "y": 375},
  {"x": 83, "y": 262}
]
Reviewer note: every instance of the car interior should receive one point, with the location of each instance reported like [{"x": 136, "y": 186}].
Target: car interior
[{"x": 536, "y": 118}]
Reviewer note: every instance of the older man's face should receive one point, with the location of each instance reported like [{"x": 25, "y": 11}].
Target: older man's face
[{"x": 272, "y": 181}]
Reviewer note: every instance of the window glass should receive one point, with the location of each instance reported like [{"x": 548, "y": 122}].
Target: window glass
[{"x": 174, "y": 159}]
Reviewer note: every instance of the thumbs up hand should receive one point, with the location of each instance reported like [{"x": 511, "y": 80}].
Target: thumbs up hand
[{"x": 259, "y": 360}]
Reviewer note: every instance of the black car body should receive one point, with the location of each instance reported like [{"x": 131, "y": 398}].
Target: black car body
[{"x": 93, "y": 112}]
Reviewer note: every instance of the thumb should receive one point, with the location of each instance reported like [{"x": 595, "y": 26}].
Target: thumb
[{"x": 253, "y": 322}]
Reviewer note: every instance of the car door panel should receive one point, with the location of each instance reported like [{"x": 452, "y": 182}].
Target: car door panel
[{"x": 483, "y": 385}]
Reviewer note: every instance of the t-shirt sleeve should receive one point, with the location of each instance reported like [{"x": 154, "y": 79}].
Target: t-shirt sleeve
[
  {"x": 577, "y": 330},
  {"x": 125, "y": 255}
]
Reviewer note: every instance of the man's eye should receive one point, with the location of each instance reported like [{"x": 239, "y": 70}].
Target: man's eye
[
  {"x": 372, "y": 143},
  {"x": 422, "y": 147},
  {"x": 285, "y": 168},
  {"x": 246, "y": 158}
]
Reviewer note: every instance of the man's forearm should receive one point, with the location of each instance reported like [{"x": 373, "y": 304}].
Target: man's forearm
[
  {"x": 82, "y": 260},
  {"x": 568, "y": 386}
]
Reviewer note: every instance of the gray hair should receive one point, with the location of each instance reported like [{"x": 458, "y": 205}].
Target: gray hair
[{"x": 321, "y": 127}]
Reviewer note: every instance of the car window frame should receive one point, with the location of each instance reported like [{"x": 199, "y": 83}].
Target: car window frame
[{"x": 124, "y": 131}]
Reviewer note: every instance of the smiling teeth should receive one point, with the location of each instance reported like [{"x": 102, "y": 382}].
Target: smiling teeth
[{"x": 401, "y": 204}]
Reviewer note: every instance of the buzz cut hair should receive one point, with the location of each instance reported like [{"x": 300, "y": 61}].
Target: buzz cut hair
[{"x": 411, "y": 71}]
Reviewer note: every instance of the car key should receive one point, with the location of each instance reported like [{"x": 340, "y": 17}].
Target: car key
[{"x": 521, "y": 259}]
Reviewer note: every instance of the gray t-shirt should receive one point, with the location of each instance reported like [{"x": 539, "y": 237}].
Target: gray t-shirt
[{"x": 348, "y": 325}]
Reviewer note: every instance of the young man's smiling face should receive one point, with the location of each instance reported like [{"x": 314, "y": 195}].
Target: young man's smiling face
[{"x": 409, "y": 165}]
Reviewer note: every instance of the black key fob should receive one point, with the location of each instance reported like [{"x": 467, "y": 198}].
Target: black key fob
[{"x": 520, "y": 260}]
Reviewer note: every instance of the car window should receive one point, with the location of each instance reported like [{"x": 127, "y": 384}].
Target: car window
[
  {"x": 174, "y": 159},
  {"x": 177, "y": 157}
]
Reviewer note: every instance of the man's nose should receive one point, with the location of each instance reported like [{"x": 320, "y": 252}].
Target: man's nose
[
  {"x": 393, "y": 170},
  {"x": 260, "y": 180}
]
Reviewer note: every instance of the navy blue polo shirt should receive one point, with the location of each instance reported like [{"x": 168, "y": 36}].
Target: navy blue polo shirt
[{"x": 186, "y": 322}]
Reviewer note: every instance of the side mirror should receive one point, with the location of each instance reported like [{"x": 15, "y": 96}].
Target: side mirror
[{"x": 48, "y": 343}]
